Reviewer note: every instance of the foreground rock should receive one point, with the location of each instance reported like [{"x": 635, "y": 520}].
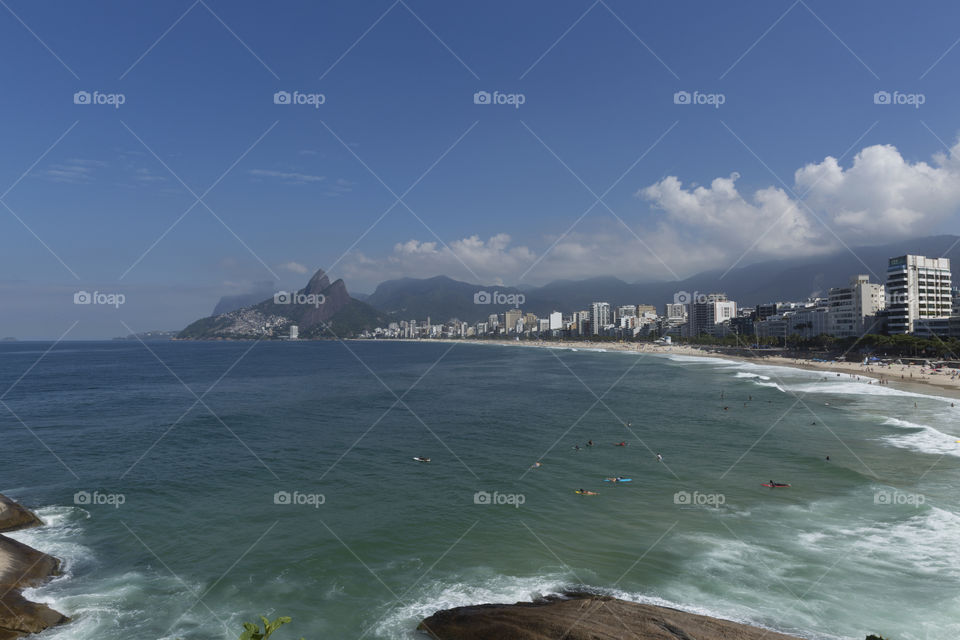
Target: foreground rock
[
  {"x": 21, "y": 567},
  {"x": 13, "y": 516},
  {"x": 581, "y": 616}
]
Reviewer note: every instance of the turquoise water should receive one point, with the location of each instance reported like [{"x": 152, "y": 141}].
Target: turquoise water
[{"x": 188, "y": 539}]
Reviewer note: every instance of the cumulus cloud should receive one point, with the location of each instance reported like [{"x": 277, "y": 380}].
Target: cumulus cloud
[
  {"x": 466, "y": 258},
  {"x": 880, "y": 197},
  {"x": 295, "y": 267}
]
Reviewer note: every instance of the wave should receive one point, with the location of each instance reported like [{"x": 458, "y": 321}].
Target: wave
[
  {"x": 747, "y": 374},
  {"x": 438, "y": 595},
  {"x": 771, "y": 384},
  {"x": 106, "y": 605},
  {"x": 680, "y": 359},
  {"x": 925, "y": 439},
  {"x": 861, "y": 388}
]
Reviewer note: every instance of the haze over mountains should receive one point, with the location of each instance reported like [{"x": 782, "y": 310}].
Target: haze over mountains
[
  {"x": 443, "y": 298},
  {"x": 321, "y": 309}
]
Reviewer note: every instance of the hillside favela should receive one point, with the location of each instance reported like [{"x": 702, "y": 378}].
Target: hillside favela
[{"x": 427, "y": 320}]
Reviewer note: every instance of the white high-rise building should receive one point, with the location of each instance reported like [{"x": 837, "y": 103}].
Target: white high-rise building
[
  {"x": 852, "y": 306},
  {"x": 556, "y": 320},
  {"x": 294, "y": 332},
  {"x": 600, "y": 317},
  {"x": 918, "y": 289}
]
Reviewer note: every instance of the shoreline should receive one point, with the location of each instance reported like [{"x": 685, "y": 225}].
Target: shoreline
[
  {"x": 23, "y": 567},
  {"x": 913, "y": 378}
]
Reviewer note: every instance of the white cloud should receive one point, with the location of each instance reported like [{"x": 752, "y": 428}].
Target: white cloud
[
  {"x": 286, "y": 176},
  {"x": 295, "y": 267},
  {"x": 73, "y": 171},
  {"x": 880, "y": 197}
]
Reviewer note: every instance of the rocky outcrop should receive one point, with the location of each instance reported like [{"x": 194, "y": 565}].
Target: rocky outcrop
[
  {"x": 582, "y": 616},
  {"x": 13, "y": 516},
  {"x": 21, "y": 567}
]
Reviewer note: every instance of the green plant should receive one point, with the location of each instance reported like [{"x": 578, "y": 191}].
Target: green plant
[{"x": 251, "y": 630}]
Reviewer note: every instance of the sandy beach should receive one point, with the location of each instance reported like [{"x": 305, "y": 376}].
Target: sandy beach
[{"x": 897, "y": 375}]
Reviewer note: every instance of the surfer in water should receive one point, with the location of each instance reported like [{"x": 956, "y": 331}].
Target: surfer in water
[
  {"x": 659, "y": 458},
  {"x": 589, "y": 443}
]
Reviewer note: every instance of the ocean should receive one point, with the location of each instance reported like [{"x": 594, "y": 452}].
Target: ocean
[{"x": 189, "y": 487}]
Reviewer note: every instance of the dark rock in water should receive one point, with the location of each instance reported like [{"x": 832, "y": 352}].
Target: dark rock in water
[
  {"x": 582, "y": 616},
  {"x": 21, "y": 567}
]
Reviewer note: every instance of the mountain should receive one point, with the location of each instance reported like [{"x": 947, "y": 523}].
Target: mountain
[
  {"x": 226, "y": 304},
  {"x": 443, "y": 298},
  {"x": 320, "y": 310}
]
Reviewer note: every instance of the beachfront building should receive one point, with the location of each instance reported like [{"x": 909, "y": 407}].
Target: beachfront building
[
  {"x": 810, "y": 321},
  {"x": 675, "y": 311},
  {"x": 709, "y": 311},
  {"x": 513, "y": 318},
  {"x": 599, "y": 317},
  {"x": 556, "y": 321},
  {"x": 919, "y": 296},
  {"x": 854, "y": 308},
  {"x": 626, "y": 311}
]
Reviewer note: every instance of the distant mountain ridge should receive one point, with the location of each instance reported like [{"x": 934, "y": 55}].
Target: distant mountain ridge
[
  {"x": 320, "y": 310},
  {"x": 443, "y": 298}
]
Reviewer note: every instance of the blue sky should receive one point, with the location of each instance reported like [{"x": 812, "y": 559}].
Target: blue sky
[{"x": 497, "y": 191}]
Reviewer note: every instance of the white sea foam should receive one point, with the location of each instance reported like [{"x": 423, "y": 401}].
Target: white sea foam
[
  {"x": 697, "y": 359},
  {"x": 925, "y": 439},
  {"x": 853, "y": 387},
  {"x": 102, "y": 606},
  {"x": 399, "y": 622},
  {"x": 747, "y": 374}
]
